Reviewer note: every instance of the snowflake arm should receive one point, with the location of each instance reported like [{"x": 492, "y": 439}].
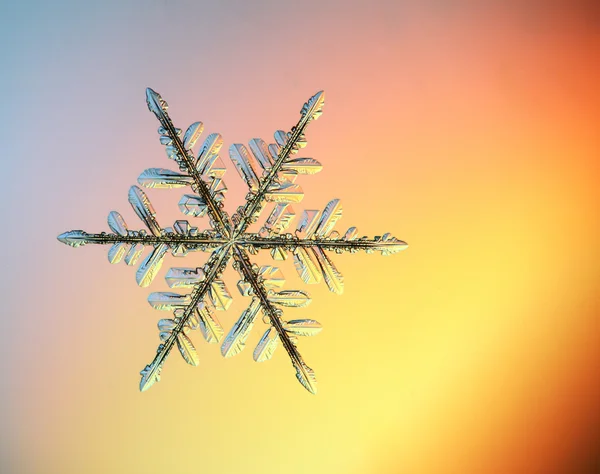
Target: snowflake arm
[
  {"x": 176, "y": 149},
  {"x": 386, "y": 244},
  {"x": 193, "y": 240},
  {"x": 270, "y": 188},
  {"x": 129, "y": 244},
  {"x": 273, "y": 316},
  {"x": 175, "y": 332}
]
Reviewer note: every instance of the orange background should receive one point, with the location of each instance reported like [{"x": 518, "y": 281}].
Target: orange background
[{"x": 468, "y": 129}]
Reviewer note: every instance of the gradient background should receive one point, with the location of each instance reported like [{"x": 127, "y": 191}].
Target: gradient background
[{"x": 468, "y": 129}]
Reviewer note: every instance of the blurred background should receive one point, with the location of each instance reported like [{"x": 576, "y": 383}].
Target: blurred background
[{"x": 467, "y": 129}]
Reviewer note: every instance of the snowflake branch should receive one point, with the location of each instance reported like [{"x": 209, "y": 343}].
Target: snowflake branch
[
  {"x": 219, "y": 217},
  {"x": 215, "y": 266},
  {"x": 311, "y": 110},
  {"x": 304, "y": 373},
  {"x": 78, "y": 238},
  {"x": 392, "y": 245}
]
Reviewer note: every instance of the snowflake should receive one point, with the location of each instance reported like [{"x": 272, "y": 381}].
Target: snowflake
[{"x": 270, "y": 173}]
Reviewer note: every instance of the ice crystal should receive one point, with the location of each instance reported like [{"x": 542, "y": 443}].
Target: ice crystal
[{"x": 270, "y": 171}]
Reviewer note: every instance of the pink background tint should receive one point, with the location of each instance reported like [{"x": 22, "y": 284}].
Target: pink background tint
[{"x": 468, "y": 129}]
